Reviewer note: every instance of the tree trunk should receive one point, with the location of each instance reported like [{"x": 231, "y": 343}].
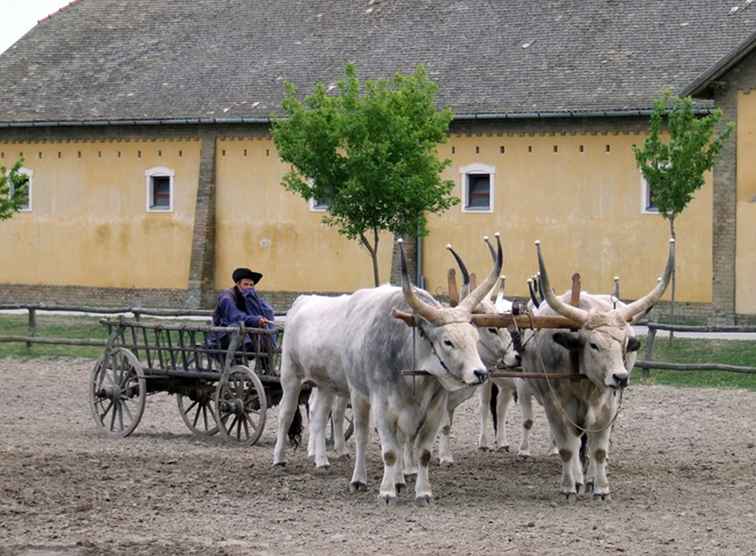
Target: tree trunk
[
  {"x": 373, "y": 250},
  {"x": 674, "y": 277}
]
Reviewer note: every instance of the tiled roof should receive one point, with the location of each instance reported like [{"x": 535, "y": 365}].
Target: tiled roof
[{"x": 227, "y": 59}]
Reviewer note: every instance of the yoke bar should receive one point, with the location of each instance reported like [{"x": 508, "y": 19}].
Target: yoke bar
[{"x": 503, "y": 320}]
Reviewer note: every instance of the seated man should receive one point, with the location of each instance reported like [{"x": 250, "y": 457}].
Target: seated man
[{"x": 242, "y": 305}]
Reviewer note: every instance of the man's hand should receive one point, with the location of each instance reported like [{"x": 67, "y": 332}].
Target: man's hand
[{"x": 264, "y": 322}]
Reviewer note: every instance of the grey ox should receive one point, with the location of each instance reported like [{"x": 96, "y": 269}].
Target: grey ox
[
  {"x": 605, "y": 346},
  {"x": 353, "y": 345}
]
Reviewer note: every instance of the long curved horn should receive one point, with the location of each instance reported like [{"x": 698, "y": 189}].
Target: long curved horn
[
  {"x": 463, "y": 269},
  {"x": 479, "y": 293},
  {"x": 500, "y": 283},
  {"x": 498, "y": 292},
  {"x": 423, "y": 309},
  {"x": 564, "y": 309},
  {"x": 531, "y": 290},
  {"x": 645, "y": 303}
]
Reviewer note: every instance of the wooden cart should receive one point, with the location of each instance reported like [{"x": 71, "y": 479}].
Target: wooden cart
[{"x": 217, "y": 390}]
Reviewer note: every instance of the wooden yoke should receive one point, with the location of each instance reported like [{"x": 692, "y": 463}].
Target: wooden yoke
[
  {"x": 502, "y": 320},
  {"x": 575, "y": 302},
  {"x": 451, "y": 278}
]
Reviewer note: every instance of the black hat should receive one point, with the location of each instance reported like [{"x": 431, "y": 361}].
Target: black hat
[{"x": 242, "y": 273}]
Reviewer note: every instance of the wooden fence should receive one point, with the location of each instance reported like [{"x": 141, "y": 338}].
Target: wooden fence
[
  {"x": 136, "y": 312},
  {"x": 649, "y": 363}
]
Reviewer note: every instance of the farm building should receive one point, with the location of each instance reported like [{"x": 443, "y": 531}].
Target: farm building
[{"x": 144, "y": 128}]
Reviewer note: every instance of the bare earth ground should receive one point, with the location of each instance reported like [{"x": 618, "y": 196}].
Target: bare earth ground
[{"x": 682, "y": 472}]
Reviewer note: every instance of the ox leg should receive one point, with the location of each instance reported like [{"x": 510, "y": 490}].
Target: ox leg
[
  {"x": 598, "y": 446},
  {"x": 361, "y": 415},
  {"x": 291, "y": 384},
  {"x": 391, "y": 450},
  {"x": 318, "y": 425},
  {"x": 409, "y": 464},
  {"x": 485, "y": 414},
  {"x": 312, "y": 404},
  {"x": 423, "y": 444},
  {"x": 505, "y": 397},
  {"x": 445, "y": 456},
  {"x": 526, "y": 406},
  {"x": 339, "y": 443}
]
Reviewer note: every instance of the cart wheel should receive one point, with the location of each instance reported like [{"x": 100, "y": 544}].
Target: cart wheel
[
  {"x": 348, "y": 427},
  {"x": 198, "y": 410},
  {"x": 241, "y": 403},
  {"x": 117, "y": 392}
]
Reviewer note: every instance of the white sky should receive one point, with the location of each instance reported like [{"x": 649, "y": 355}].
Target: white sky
[{"x": 17, "y": 17}]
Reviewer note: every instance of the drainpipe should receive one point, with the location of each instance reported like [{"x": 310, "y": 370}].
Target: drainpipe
[{"x": 419, "y": 258}]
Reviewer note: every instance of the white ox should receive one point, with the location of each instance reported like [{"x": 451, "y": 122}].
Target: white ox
[
  {"x": 605, "y": 346},
  {"x": 353, "y": 344}
]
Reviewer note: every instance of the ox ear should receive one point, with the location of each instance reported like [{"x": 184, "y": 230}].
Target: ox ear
[
  {"x": 633, "y": 344},
  {"x": 569, "y": 341}
]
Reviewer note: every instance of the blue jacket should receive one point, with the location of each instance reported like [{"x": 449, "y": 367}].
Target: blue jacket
[{"x": 234, "y": 308}]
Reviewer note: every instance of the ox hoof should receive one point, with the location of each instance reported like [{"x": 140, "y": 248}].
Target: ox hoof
[
  {"x": 483, "y": 448},
  {"x": 343, "y": 456},
  {"x": 602, "y": 497},
  {"x": 589, "y": 487},
  {"x": 504, "y": 448},
  {"x": 423, "y": 501},
  {"x": 400, "y": 487},
  {"x": 279, "y": 464},
  {"x": 523, "y": 455},
  {"x": 322, "y": 468},
  {"x": 388, "y": 499},
  {"x": 446, "y": 462},
  {"x": 358, "y": 487},
  {"x": 570, "y": 498}
]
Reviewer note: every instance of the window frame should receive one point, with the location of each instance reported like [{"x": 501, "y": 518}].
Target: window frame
[
  {"x": 472, "y": 169},
  {"x": 317, "y": 208},
  {"x": 29, "y": 173},
  {"x": 159, "y": 172},
  {"x": 646, "y": 207}
]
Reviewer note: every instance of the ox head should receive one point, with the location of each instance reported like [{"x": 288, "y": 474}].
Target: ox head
[
  {"x": 605, "y": 337},
  {"x": 454, "y": 356},
  {"x": 495, "y": 345}
]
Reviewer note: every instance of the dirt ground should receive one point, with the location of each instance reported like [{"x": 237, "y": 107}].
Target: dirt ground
[{"x": 681, "y": 469}]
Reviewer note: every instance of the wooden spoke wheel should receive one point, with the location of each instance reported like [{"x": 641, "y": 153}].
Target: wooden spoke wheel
[
  {"x": 197, "y": 409},
  {"x": 241, "y": 404},
  {"x": 348, "y": 427},
  {"x": 117, "y": 392}
]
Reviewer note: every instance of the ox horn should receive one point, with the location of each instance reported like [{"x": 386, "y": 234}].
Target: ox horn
[
  {"x": 645, "y": 303},
  {"x": 531, "y": 291},
  {"x": 479, "y": 293},
  {"x": 499, "y": 287},
  {"x": 423, "y": 309},
  {"x": 463, "y": 269},
  {"x": 498, "y": 292},
  {"x": 573, "y": 313}
]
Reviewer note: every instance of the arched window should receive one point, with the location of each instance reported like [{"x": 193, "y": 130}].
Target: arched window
[
  {"x": 159, "y": 189},
  {"x": 477, "y": 184}
]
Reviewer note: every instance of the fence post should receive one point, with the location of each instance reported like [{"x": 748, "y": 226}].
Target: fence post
[
  {"x": 137, "y": 314},
  {"x": 32, "y": 324},
  {"x": 649, "y": 349}
]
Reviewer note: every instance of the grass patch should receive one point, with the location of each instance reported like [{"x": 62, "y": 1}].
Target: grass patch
[
  {"x": 698, "y": 350},
  {"x": 57, "y": 326}
]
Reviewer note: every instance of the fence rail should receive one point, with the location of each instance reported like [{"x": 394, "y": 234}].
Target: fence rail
[{"x": 649, "y": 363}]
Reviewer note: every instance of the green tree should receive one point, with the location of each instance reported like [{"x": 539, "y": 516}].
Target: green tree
[
  {"x": 369, "y": 154},
  {"x": 674, "y": 165},
  {"x": 13, "y": 190}
]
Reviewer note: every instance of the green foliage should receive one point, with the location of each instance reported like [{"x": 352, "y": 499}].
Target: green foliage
[
  {"x": 369, "y": 153},
  {"x": 674, "y": 169},
  {"x": 13, "y": 190}
]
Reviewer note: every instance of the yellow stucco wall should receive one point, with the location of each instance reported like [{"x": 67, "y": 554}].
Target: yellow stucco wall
[
  {"x": 585, "y": 207},
  {"x": 745, "y": 267},
  {"x": 261, "y": 225},
  {"x": 89, "y": 226}
]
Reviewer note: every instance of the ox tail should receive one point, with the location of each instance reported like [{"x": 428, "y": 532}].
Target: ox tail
[
  {"x": 492, "y": 404},
  {"x": 295, "y": 429}
]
